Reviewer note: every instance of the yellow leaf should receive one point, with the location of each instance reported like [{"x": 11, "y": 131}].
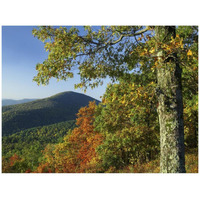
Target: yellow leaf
[
  {"x": 152, "y": 50},
  {"x": 151, "y": 83},
  {"x": 142, "y": 53},
  {"x": 189, "y": 53},
  {"x": 123, "y": 102}
]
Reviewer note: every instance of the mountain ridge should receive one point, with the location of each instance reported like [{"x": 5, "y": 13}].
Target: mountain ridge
[
  {"x": 7, "y": 102},
  {"x": 57, "y": 108}
]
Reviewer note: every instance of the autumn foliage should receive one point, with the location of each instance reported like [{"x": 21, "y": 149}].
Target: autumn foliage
[
  {"x": 86, "y": 138},
  {"x": 121, "y": 134},
  {"x": 78, "y": 151}
]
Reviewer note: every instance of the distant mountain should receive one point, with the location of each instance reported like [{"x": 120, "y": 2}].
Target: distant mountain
[
  {"x": 7, "y": 102},
  {"x": 58, "y": 108}
]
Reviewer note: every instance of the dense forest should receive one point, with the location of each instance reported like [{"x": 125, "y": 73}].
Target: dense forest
[
  {"x": 94, "y": 145},
  {"x": 29, "y": 144},
  {"x": 122, "y": 133}
]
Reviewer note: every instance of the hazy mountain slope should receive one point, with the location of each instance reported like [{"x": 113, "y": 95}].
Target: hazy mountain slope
[
  {"x": 58, "y": 108},
  {"x": 7, "y": 102}
]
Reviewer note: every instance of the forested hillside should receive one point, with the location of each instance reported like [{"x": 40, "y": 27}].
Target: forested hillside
[
  {"x": 28, "y": 145},
  {"x": 95, "y": 145},
  {"x": 58, "y": 108}
]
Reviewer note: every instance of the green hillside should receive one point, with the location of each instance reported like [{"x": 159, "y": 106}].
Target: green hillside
[
  {"x": 58, "y": 108},
  {"x": 29, "y": 143}
]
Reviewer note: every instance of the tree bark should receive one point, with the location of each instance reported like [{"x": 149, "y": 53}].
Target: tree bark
[{"x": 170, "y": 105}]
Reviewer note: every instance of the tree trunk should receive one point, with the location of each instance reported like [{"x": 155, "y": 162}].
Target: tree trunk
[{"x": 170, "y": 105}]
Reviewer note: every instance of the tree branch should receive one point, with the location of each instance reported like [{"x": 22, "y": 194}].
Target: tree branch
[
  {"x": 101, "y": 45},
  {"x": 130, "y": 35},
  {"x": 142, "y": 31},
  {"x": 90, "y": 41}
]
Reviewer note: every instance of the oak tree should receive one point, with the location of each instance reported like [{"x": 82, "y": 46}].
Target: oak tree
[{"x": 119, "y": 52}]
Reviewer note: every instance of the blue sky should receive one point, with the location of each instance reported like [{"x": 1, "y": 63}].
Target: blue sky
[{"x": 20, "y": 54}]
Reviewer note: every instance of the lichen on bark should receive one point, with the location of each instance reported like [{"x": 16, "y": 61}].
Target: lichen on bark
[{"x": 170, "y": 109}]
